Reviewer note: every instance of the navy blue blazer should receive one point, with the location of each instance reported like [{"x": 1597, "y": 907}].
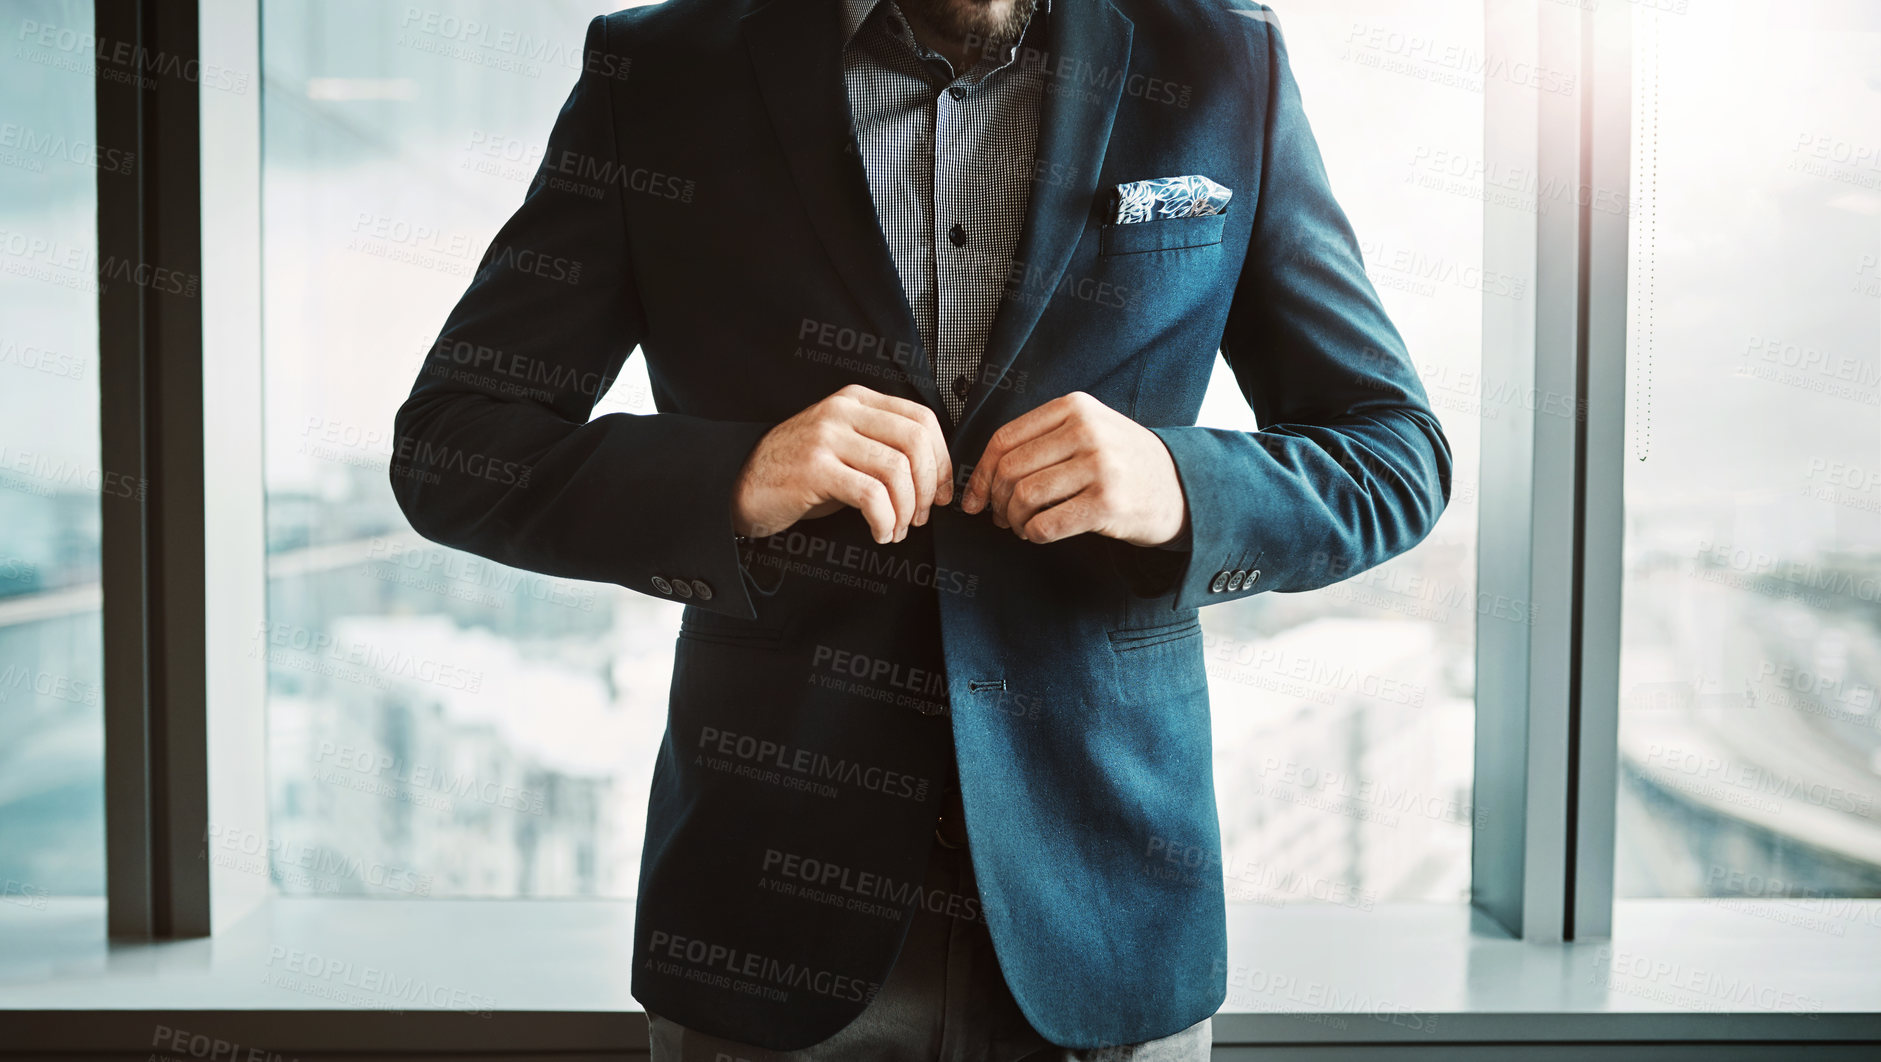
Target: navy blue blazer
[{"x": 701, "y": 198}]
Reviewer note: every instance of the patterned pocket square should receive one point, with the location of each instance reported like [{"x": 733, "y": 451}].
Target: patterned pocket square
[{"x": 1169, "y": 197}]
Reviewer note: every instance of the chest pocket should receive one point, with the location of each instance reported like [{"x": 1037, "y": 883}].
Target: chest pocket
[{"x": 1160, "y": 234}]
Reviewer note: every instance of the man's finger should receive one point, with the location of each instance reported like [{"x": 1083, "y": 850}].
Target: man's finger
[
  {"x": 1012, "y": 434},
  {"x": 1028, "y": 459},
  {"x": 910, "y": 438},
  {"x": 1045, "y": 488},
  {"x": 1073, "y": 516},
  {"x": 852, "y": 486},
  {"x": 923, "y": 416},
  {"x": 886, "y": 464}
]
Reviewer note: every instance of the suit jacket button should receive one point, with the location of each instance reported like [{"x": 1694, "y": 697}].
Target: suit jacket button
[
  {"x": 682, "y": 588},
  {"x": 703, "y": 589},
  {"x": 1253, "y": 575},
  {"x": 1234, "y": 581},
  {"x": 1220, "y": 583},
  {"x": 660, "y": 584}
]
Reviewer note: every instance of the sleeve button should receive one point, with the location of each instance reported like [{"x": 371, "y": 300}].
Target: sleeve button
[
  {"x": 1220, "y": 583},
  {"x": 702, "y": 589},
  {"x": 660, "y": 584}
]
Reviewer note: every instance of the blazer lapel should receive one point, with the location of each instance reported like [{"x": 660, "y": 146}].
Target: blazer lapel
[
  {"x": 1083, "y": 38},
  {"x": 796, "y": 53}
]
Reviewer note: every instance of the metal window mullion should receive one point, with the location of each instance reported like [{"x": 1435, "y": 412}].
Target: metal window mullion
[
  {"x": 1554, "y": 542},
  {"x": 1607, "y": 139},
  {"x": 124, "y": 539},
  {"x": 1547, "y": 666},
  {"x": 1505, "y": 775},
  {"x": 150, "y": 396}
]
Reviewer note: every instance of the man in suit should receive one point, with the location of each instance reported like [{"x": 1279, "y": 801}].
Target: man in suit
[{"x": 929, "y": 293}]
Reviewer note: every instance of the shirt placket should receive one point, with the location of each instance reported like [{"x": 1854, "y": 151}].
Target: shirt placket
[{"x": 953, "y": 231}]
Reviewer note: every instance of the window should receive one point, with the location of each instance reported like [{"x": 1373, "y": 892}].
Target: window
[
  {"x": 1750, "y": 727},
  {"x": 1343, "y": 717},
  {"x": 439, "y": 725},
  {"x": 51, "y": 482}
]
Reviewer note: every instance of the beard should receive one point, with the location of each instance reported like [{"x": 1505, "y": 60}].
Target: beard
[{"x": 986, "y": 23}]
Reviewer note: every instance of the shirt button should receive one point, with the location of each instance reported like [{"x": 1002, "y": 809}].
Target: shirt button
[
  {"x": 957, "y": 236},
  {"x": 957, "y": 92},
  {"x": 961, "y": 386}
]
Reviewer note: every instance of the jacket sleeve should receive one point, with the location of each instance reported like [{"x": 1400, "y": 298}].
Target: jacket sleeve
[
  {"x": 495, "y": 453},
  {"x": 1350, "y": 467}
]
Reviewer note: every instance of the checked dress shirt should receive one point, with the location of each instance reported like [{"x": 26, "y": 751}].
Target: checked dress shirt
[{"x": 949, "y": 158}]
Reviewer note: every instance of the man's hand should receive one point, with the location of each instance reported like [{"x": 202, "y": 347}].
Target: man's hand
[
  {"x": 1074, "y": 465},
  {"x": 882, "y": 454}
]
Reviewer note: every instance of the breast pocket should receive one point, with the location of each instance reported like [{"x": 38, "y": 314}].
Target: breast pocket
[{"x": 1161, "y": 234}]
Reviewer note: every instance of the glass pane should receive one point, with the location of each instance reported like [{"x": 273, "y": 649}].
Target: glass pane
[
  {"x": 51, "y": 665},
  {"x": 1344, "y": 718},
  {"x": 439, "y": 725},
  {"x": 1750, "y": 736}
]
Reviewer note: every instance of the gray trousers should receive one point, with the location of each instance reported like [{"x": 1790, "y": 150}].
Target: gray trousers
[{"x": 944, "y": 1001}]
